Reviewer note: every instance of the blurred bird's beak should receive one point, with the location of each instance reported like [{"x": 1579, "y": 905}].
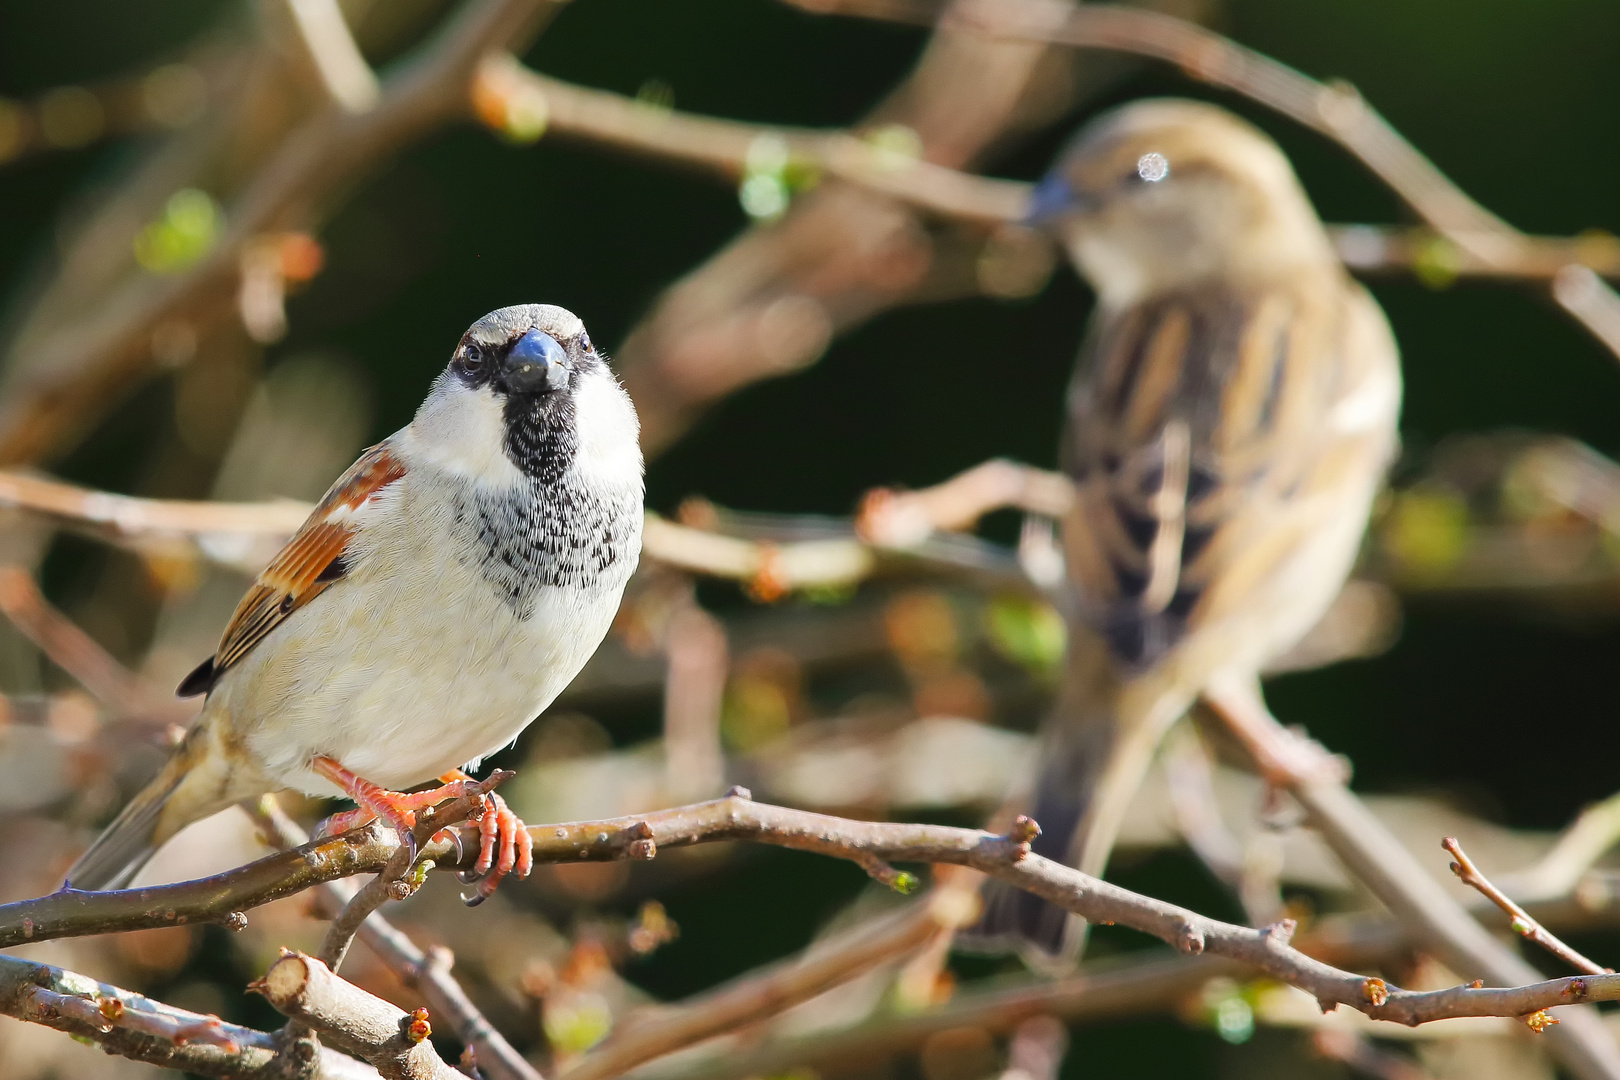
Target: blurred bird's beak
[
  {"x": 536, "y": 364},
  {"x": 1052, "y": 198}
]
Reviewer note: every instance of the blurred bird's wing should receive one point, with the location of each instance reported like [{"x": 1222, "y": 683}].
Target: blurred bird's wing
[
  {"x": 1209, "y": 436},
  {"x": 309, "y": 563}
]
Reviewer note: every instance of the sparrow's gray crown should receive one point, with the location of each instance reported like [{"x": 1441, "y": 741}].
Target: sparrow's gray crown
[{"x": 525, "y": 349}]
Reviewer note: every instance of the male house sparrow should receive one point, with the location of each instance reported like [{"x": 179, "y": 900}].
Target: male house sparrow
[
  {"x": 444, "y": 591},
  {"x": 1231, "y": 416}
]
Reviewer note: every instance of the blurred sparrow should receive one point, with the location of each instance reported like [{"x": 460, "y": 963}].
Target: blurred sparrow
[
  {"x": 445, "y": 590},
  {"x": 1230, "y": 420}
]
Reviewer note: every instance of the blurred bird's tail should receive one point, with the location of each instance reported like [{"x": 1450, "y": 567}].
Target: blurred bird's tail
[
  {"x": 1094, "y": 757},
  {"x": 174, "y": 799}
]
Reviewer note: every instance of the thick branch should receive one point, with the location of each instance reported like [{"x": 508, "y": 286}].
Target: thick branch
[
  {"x": 873, "y": 845},
  {"x": 394, "y": 1041},
  {"x": 661, "y": 1030}
]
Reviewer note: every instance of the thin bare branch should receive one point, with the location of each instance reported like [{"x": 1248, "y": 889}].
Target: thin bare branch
[
  {"x": 655, "y": 1031},
  {"x": 1334, "y": 109},
  {"x": 1593, "y": 834},
  {"x": 1394, "y": 875},
  {"x": 71, "y": 380},
  {"x": 123, "y": 1022},
  {"x": 1523, "y": 924}
]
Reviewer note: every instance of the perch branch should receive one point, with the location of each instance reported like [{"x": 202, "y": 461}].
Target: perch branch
[
  {"x": 1523, "y": 924},
  {"x": 873, "y": 845},
  {"x": 126, "y": 1023},
  {"x": 428, "y": 973}
]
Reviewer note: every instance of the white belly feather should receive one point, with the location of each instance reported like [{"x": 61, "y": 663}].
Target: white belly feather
[{"x": 413, "y": 664}]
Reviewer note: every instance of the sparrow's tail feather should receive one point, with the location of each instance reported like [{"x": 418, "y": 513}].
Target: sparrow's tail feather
[
  {"x": 189, "y": 788},
  {"x": 1094, "y": 764}
]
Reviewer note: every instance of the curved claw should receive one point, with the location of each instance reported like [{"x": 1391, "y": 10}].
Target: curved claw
[
  {"x": 471, "y": 877},
  {"x": 475, "y": 898},
  {"x": 453, "y": 837}
]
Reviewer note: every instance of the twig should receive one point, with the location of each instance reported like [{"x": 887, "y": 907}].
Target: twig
[
  {"x": 1523, "y": 924},
  {"x": 1390, "y": 871},
  {"x": 72, "y": 379},
  {"x": 428, "y": 973},
  {"x": 1098, "y": 991},
  {"x": 875, "y": 846},
  {"x": 123, "y": 1022},
  {"x": 395, "y": 1042},
  {"x": 659, "y": 1030},
  {"x": 1336, "y": 110},
  {"x": 1593, "y": 834}
]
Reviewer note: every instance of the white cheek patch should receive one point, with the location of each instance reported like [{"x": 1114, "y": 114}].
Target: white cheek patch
[
  {"x": 609, "y": 431},
  {"x": 463, "y": 432}
]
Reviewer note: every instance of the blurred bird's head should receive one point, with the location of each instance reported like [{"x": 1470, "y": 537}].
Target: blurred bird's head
[
  {"x": 1163, "y": 194},
  {"x": 525, "y": 390}
]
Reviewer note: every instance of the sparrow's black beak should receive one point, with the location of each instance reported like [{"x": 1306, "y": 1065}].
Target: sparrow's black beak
[
  {"x": 536, "y": 364},
  {"x": 1052, "y": 198}
]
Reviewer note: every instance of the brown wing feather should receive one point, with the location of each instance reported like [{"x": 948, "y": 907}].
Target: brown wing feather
[
  {"x": 1191, "y": 418},
  {"x": 309, "y": 564}
]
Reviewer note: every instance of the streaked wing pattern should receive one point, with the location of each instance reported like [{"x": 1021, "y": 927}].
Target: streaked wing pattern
[{"x": 1190, "y": 427}]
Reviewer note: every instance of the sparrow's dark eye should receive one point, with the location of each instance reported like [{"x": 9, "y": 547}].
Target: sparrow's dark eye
[
  {"x": 472, "y": 357},
  {"x": 585, "y": 343}
]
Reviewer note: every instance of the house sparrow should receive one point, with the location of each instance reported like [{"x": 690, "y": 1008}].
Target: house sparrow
[
  {"x": 443, "y": 592},
  {"x": 1230, "y": 420}
]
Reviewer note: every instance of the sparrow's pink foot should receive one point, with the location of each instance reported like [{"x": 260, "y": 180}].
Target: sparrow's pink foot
[
  {"x": 504, "y": 844},
  {"x": 396, "y": 809}
]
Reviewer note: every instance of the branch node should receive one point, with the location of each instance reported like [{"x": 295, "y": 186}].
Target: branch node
[
  {"x": 1024, "y": 830},
  {"x": 1189, "y": 938},
  {"x": 737, "y": 791},
  {"x": 1282, "y": 931},
  {"x": 1376, "y": 991},
  {"x": 234, "y": 921},
  {"x": 1576, "y": 989}
]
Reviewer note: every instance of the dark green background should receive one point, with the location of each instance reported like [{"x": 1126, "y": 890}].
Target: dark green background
[{"x": 1517, "y": 102}]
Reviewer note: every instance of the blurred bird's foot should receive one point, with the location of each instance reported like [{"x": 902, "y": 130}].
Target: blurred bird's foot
[
  {"x": 504, "y": 845},
  {"x": 396, "y": 809}
]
